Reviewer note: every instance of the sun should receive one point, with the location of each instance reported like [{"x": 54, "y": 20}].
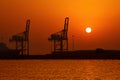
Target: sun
[{"x": 88, "y": 30}]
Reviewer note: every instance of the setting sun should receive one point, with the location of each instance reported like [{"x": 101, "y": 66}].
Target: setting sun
[{"x": 88, "y": 30}]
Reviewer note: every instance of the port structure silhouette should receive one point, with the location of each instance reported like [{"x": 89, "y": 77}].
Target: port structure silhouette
[
  {"x": 22, "y": 40},
  {"x": 60, "y": 39}
]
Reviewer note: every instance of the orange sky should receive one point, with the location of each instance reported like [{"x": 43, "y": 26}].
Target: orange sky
[{"x": 47, "y": 17}]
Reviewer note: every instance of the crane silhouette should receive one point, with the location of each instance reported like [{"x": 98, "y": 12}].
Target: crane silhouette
[
  {"x": 60, "y": 39},
  {"x": 22, "y": 40}
]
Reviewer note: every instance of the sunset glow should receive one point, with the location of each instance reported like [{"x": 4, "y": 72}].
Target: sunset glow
[
  {"x": 47, "y": 17},
  {"x": 88, "y": 30}
]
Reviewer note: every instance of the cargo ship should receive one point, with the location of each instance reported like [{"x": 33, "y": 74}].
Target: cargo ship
[{"x": 7, "y": 52}]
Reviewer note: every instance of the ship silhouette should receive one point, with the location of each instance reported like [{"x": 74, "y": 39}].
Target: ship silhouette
[{"x": 6, "y": 52}]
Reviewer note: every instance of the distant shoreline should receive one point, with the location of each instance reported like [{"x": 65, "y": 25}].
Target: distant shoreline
[{"x": 80, "y": 54}]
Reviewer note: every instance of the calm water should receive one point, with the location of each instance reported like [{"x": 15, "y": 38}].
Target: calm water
[{"x": 59, "y": 69}]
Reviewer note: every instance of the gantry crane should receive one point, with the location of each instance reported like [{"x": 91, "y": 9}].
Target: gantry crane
[
  {"x": 22, "y": 40},
  {"x": 60, "y": 39}
]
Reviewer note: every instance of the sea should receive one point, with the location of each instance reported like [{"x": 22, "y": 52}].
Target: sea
[{"x": 59, "y": 69}]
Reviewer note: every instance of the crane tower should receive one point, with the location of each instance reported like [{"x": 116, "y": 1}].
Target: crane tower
[
  {"x": 22, "y": 40},
  {"x": 60, "y": 39}
]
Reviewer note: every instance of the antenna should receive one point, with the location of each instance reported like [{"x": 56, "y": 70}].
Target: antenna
[{"x": 72, "y": 42}]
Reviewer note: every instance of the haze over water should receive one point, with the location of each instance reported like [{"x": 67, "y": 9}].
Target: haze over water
[{"x": 59, "y": 70}]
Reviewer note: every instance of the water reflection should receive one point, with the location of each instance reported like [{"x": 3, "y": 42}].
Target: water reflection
[{"x": 60, "y": 70}]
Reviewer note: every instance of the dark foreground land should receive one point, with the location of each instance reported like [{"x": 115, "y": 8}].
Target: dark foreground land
[{"x": 80, "y": 54}]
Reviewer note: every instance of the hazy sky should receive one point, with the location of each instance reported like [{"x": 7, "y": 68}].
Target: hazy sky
[{"x": 47, "y": 17}]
